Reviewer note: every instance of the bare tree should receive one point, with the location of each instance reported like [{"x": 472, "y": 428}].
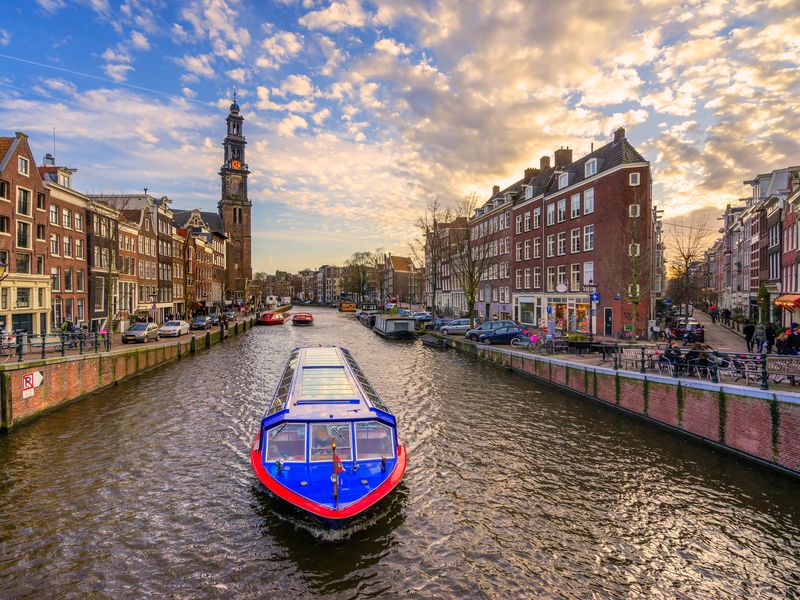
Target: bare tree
[
  {"x": 468, "y": 258},
  {"x": 689, "y": 240},
  {"x": 357, "y": 273},
  {"x": 379, "y": 268},
  {"x": 431, "y": 248}
]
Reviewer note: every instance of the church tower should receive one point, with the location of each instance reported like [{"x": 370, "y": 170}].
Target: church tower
[{"x": 235, "y": 206}]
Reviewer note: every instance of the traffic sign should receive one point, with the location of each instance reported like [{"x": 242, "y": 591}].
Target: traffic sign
[
  {"x": 549, "y": 310},
  {"x": 595, "y": 297},
  {"x": 30, "y": 381}
]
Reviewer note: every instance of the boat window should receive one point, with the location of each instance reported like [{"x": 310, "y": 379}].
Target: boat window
[
  {"x": 322, "y": 434},
  {"x": 285, "y": 384},
  {"x": 287, "y": 441},
  {"x": 373, "y": 441}
]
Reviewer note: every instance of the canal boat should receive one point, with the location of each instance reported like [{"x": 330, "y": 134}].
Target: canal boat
[
  {"x": 433, "y": 341},
  {"x": 394, "y": 327},
  {"x": 303, "y": 318},
  {"x": 269, "y": 317},
  {"x": 366, "y": 318},
  {"x": 347, "y": 306},
  {"x": 328, "y": 444}
]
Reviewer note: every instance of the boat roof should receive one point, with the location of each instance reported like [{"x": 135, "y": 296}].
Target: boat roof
[{"x": 324, "y": 383}]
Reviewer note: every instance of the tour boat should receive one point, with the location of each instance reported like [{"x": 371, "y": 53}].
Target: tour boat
[
  {"x": 270, "y": 318},
  {"x": 303, "y": 318},
  {"x": 394, "y": 327},
  {"x": 328, "y": 444}
]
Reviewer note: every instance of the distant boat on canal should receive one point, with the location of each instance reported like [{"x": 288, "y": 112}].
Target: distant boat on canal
[
  {"x": 394, "y": 327},
  {"x": 328, "y": 444},
  {"x": 303, "y": 318},
  {"x": 269, "y": 317},
  {"x": 366, "y": 317}
]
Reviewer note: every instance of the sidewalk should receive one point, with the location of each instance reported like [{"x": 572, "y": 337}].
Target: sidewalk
[{"x": 720, "y": 337}]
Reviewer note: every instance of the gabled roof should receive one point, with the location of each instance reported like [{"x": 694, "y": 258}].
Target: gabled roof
[
  {"x": 6, "y": 146},
  {"x": 212, "y": 220},
  {"x": 401, "y": 263},
  {"x": 613, "y": 154}
]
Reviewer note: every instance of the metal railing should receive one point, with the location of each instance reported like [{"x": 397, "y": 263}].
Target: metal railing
[{"x": 28, "y": 345}]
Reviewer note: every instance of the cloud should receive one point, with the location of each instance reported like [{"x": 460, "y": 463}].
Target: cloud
[
  {"x": 139, "y": 41},
  {"x": 5, "y": 37},
  {"x": 290, "y": 124},
  {"x": 298, "y": 85},
  {"x": 320, "y": 117},
  {"x": 239, "y": 75},
  {"x": 200, "y": 65},
  {"x": 392, "y": 47},
  {"x": 280, "y": 48},
  {"x": 117, "y": 72},
  {"x": 336, "y": 17},
  {"x": 216, "y": 21}
]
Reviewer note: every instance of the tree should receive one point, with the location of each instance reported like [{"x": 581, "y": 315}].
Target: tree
[
  {"x": 431, "y": 248},
  {"x": 378, "y": 264},
  {"x": 467, "y": 259},
  {"x": 356, "y": 275},
  {"x": 689, "y": 240},
  {"x": 106, "y": 237}
]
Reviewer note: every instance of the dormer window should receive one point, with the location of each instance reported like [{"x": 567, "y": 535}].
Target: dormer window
[
  {"x": 508, "y": 196},
  {"x": 563, "y": 180},
  {"x": 528, "y": 192},
  {"x": 590, "y": 168}
]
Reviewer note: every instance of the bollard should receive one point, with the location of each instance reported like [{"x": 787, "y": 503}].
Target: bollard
[
  {"x": 193, "y": 345},
  {"x": 44, "y": 335},
  {"x": 208, "y": 339},
  {"x": 63, "y": 344},
  {"x": 96, "y": 342},
  {"x": 764, "y": 385},
  {"x": 616, "y": 356},
  {"x": 80, "y": 344},
  {"x": 20, "y": 343},
  {"x": 108, "y": 342},
  {"x": 715, "y": 372},
  {"x": 642, "y": 369}
]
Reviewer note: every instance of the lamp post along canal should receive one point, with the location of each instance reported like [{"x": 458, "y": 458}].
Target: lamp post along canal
[{"x": 591, "y": 289}]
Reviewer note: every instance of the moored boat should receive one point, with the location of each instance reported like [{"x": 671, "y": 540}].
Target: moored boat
[
  {"x": 303, "y": 318},
  {"x": 367, "y": 318},
  {"x": 269, "y": 317},
  {"x": 394, "y": 327},
  {"x": 328, "y": 444}
]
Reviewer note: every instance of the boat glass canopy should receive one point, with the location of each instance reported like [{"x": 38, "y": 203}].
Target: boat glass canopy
[
  {"x": 287, "y": 442},
  {"x": 322, "y": 436}
]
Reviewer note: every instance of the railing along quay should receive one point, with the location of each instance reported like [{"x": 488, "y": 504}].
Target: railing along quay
[{"x": 27, "y": 345}]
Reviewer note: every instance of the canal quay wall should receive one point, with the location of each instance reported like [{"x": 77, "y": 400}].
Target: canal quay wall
[
  {"x": 762, "y": 426},
  {"x": 31, "y": 388}
]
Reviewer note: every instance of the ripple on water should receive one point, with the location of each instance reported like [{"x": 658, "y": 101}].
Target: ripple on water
[{"x": 513, "y": 489}]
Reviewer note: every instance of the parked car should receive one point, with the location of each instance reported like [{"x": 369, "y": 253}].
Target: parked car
[
  {"x": 230, "y": 315},
  {"x": 174, "y": 328},
  {"x": 201, "y": 323},
  {"x": 215, "y": 319},
  {"x": 422, "y": 317},
  {"x": 455, "y": 327},
  {"x": 437, "y": 324},
  {"x": 140, "y": 332},
  {"x": 405, "y": 312},
  {"x": 389, "y": 306},
  {"x": 474, "y": 334},
  {"x": 501, "y": 335}
]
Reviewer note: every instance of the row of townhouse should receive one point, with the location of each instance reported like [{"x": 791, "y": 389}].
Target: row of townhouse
[
  {"x": 562, "y": 235},
  {"x": 752, "y": 269}
]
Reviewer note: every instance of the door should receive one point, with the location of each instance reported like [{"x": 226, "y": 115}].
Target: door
[
  {"x": 24, "y": 322},
  {"x": 608, "y": 321},
  {"x": 43, "y": 322},
  {"x": 488, "y": 313}
]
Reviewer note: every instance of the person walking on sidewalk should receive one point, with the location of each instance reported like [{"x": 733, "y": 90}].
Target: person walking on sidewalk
[
  {"x": 749, "y": 329},
  {"x": 759, "y": 338},
  {"x": 769, "y": 332}
]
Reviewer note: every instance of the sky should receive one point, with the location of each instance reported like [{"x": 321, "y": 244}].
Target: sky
[{"x": 359, "y": 113}]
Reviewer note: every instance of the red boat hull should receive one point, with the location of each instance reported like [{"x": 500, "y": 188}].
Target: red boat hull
[{"x": 330, "y": 517}]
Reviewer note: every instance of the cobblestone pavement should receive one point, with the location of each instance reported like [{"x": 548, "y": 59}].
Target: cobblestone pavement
[{"x": 720, "y": 337}]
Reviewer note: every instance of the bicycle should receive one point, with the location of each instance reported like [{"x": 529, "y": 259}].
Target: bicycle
[{"x": 8, "y": 347}]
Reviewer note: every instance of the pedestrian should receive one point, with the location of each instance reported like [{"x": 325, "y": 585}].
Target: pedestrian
[
  {"x": 793, "y": 343},
  {"x": 749, "y": 329},
  {"x": 769, "y": 335},
  {"x": 714, "y": 315},
  {"x": 759, "y": 338},
  {"x": 668, "y": 334},
  {"x": 782, "y": 342}
]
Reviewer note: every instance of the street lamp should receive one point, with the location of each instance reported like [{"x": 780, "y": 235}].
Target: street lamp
[
  {"x": 591, "y": 289},
  {"x": 3, "y": 270}
]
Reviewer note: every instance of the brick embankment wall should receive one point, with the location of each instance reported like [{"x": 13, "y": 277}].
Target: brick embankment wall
[
  {"x": 69, "y": 378},
  {"x": 763, "y": 426}
]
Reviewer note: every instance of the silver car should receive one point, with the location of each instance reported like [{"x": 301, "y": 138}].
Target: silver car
[
  {"x": 455, "y": 327},
  {"x": 140, "y": 332}
]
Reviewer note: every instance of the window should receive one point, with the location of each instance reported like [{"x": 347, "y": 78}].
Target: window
[
  {"x": 55, "y": 275},
  {"x": 562, "y": 274},
  {"x": 518, "y": 274},
  {"x": 518, "y": 250},
  {"x": 23, "y": 263},
  {"x": 588, "y": 238},
  {"x": 575, "y": 240},
  {"x": 551, "y": 279},
  {"x": 4, "y": 187},
  {"x": 40, "y": 296},
  {"x": 5, "y": 224},
  {"x": 66, "y": 218},
  {"x": 4, "y": 298},
  {"x": 575, "y": 277},
  {"x": 374, "y": 441},
  {"x": 80, "y": 309},
  {"x": 528, "y": 192},
  {"x": 79, "y": 280},
  {"x": 590, "y": 168},
  {"x": 633, "y": 179},
  {"x": 23, "y": 166},
  {"x": 67, "y": 280},
  {"x": 527, "y": 279},
  {"x": 23, "y": 297},
  {"x": 537, "y": 247},
  {"x": 562, "y": 243},
  {"x": 528, "y": 220},
  {"x": 494, "y": 295},
  {"x": 563, "y": 180},
  {"x": 551, "y": 245},
  {"x": 40, "y": 232},
  {"x": 23, "y": 201},
  {"x": 575, "y": 206},
  {"x": 78, "y": 248},
  {"x": 40, "y": 200},
  {"x": 562, "y": 210},
  {"x": 537, "y": 277},
  {"x": 588, "y": 201},
  {"x": 78, "y": 222},
  {"x": 322, "y": 434},
  {"x": 633, "y": 250},
  {"x": 519, "y": 224},
  {"x": 53, "y": 214},
  {"x": 537, "y": 217},
  {"x": 54, "y": 247},
  {"x": 287, "y": 442},
  {"x": 68, "y": 246},
  {"x": 23, "y": 234},
  {"x": 551, "y": 214},
  {"x": 633, "y": 211},
  {"x": 40, "y": 265}
]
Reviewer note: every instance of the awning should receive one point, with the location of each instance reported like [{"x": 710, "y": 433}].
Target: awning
[{"x": 788, "y": 301}]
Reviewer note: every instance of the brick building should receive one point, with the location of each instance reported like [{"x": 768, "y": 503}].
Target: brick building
[{"x": 24, "y": 199}]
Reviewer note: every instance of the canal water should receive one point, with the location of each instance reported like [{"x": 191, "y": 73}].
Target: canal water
[{"x": 513, "y": 489}]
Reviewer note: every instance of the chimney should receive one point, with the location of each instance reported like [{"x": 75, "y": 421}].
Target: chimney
[
  {"x": 563, "y": 157},
  {"x": 529, "y": 173},
  {"x": 544, "y": 163},
  {"x": 619, "y": 134},
  {"x": 49, "y": 161},
  {"x": 495, "y": 190}
]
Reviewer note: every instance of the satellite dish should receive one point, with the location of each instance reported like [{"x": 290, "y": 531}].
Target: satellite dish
[{"x": 561, "y": 288}]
